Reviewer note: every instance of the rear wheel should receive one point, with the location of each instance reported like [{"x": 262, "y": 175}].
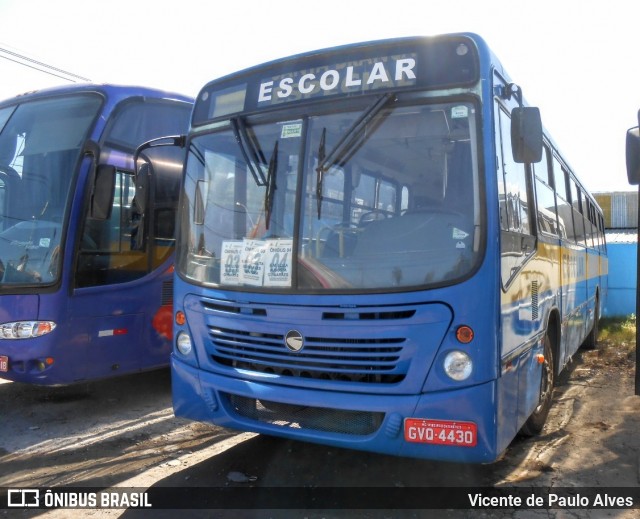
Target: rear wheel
[
  {"x": 535, "y": 422},
  {"x": 591, "y": 342}
]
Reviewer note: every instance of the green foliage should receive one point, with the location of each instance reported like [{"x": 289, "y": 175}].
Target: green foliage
[{"x": 619, "y": 330}]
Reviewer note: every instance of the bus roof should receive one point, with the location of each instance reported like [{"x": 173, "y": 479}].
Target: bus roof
[
  {"x": 117, "y": 92},
  {"x": 424, "y": 62},
  {"x": 347, "y": 48}
]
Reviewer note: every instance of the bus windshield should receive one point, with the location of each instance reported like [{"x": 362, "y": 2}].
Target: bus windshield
[
  {"x": 40, "y": 143},
  {"x": 376, "y": 194}
]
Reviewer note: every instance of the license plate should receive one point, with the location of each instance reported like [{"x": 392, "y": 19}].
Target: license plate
[
  {"x": 441, "y": 432},
  {"x": 4, "y": 363}
]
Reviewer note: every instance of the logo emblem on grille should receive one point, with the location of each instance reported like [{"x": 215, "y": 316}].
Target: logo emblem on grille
[{"x": 294, "y": 340}]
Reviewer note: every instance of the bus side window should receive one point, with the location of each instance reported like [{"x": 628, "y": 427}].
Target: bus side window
[
  {"x": 565, "y": 217},
  {"x": 590, "y": 225},
  {"x": 106, "y": 255},
  {"x": 517, "y": 241},
  {"x": 576, "y": 204},
  {"x": 545, "y": 199},
  {"x": 601, "y": 228},
  {"x": 515, "y": 185}
]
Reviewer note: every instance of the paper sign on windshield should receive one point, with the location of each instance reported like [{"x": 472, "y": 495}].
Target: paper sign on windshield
[
  {"x": 252, "y": 262},
  {"x": 278, "y": 263}
]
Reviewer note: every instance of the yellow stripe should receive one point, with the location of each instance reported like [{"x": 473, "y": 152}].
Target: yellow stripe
[{"x": 554, "y": 266}]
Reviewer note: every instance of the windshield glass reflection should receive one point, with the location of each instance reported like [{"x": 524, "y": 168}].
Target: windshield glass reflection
[
  {"x": 378, "y": 198},
  {"x": 40, "y": 144}
]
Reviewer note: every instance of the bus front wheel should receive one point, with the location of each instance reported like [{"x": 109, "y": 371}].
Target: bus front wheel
[{"x": 535, "y": 422}]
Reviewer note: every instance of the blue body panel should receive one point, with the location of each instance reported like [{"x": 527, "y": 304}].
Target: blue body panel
[
  {"x": 204, "y": 397},
  {"x": 223, "y": 328}
]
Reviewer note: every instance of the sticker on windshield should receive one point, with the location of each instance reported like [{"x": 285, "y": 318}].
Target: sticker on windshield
[
  {"x": 291, "y": 130},
  {"x": 459, "y": 234},
  {"x": 257, "y": 262},
  {"x": 252, "y": 262},
  {"x": 278, "y": 263},
  {"x": 459, "y": 112},
  {"x": 230, "y": 260}
]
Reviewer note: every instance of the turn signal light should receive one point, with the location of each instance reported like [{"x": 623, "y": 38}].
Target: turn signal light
[
  {"x": 180, "y": 318},
  {"x": 464, "y": 334}
]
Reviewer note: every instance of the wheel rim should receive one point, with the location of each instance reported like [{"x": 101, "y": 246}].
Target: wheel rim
[{"x": 546, "y": 382}]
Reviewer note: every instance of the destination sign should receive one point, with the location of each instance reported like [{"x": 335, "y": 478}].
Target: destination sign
[
  {"x": 343, "y": 78},
  {"x": 360, "y": 69}
]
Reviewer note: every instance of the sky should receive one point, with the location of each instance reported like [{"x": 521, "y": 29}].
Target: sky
[{"x": 579, "y": 62}]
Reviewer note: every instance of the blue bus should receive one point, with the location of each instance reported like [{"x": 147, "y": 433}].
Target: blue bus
[
  {"x": 86, "y": 275},
  {"x": 380, "y": 248}
]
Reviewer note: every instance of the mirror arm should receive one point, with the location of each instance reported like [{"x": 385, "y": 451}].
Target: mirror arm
[
  {"x": 513, "y": 91},
  {"x": 92, "y": 148},
  {"x": 170, "y": 140}
]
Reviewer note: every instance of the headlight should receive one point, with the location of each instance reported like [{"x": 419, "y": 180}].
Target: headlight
[
  {"x": 183, "y": 343},
  {"x": 26, "y": 329},
  {"x": 458, "y": 365}
]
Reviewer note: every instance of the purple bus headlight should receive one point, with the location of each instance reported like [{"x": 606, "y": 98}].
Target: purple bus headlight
[
  {"x": 26, "y": 329},
  {"x": 458, "y": 365}
]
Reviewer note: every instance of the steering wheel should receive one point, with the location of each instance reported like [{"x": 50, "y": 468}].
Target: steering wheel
[
  {"x": 373, "y": 216},
  {"x": 9, "y": 175}
]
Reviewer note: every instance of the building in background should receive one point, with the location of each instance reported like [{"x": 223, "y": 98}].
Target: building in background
[{"x": 620, "y": 210}]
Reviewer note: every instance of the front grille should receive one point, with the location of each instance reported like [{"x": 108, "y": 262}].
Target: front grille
[
  {"x": 368, "y": 316},
  {"x": 359, "y": 423},
  {"x": 368, "y": 360}
]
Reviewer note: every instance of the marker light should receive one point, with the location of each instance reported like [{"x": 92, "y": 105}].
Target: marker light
[
  {"x": 183, "y": 343},
  {"x": 462, "y": 50},
  {"x": 464, "y": 334},
  {"x": 26, "y": 329},
  {"x": 458, "y": 365},
  {"x": 180, "y": 318}
]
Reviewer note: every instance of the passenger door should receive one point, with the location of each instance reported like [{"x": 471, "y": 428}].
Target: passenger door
[{"x": 107, "y": 309}]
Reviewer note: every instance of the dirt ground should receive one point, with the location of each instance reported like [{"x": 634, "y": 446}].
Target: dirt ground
[{"x": 122, "y": 433}]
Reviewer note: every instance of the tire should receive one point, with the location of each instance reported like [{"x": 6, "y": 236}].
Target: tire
[
  {"x": 535, "y": 422},
  {"x": 591, "y": 342}
]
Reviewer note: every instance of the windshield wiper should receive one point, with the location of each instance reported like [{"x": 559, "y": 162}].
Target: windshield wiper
[
  {"x": 350, "y": 141},
  {"x": 320, "y": 170},
  {"x": 197, "y": 153},
  {"x": 271, "y": 185},
  {"x": 252, "y": 156}
]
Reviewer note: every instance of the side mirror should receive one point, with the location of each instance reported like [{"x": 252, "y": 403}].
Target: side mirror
[
  {"x": 139, "y": 207},
  {"x": 633, "y": 155},
  {"x": 103, "y": 188},
  {"x": 142, "y": 186},
  {"x": 144, "y": 168},
  {"x": 158, "y": 170},
  {"x": 526, "y": 134}
]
